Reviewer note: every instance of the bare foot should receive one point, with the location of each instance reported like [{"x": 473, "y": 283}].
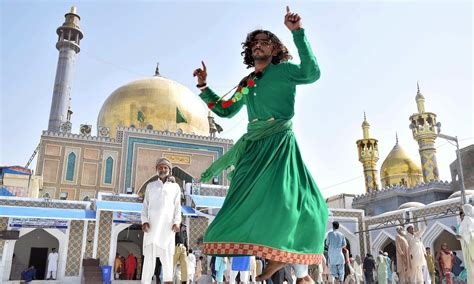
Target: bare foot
[
  {"x": 305, "y": 280},
  {"x": 272, "y": 267}
]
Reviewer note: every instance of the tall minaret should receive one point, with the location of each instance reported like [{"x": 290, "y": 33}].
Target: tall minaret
[
  {"x": 69, "y": 36},
  {"x": 423, "y": 127},
  {"x": 368, "y": 149}
]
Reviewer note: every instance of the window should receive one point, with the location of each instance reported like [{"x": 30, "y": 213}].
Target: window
[
  {"x": 109, "y": 164},
  {"x": 71, "y": 163}
]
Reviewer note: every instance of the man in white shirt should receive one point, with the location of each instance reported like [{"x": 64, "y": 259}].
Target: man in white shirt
[
  {"x": 191, "y": 266},
  {"x": 417, "y": 253},
  {"x": 52, "y": 264},
  {"x": 161, "y": 219}
]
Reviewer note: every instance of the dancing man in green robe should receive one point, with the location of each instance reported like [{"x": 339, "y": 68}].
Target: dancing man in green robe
[{"x": 273, "y": 208}]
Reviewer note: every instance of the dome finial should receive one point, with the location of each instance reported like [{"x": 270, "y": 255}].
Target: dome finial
[
  {"x": 157, "y": 69},
  {"x": 396, "y": 137},
  {"x": 365, "y": 127},
  {"x": 420, "y": 99},
  {"x": 418, "y": 92}
]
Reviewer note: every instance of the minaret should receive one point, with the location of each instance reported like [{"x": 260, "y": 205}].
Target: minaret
[
  {"x": 69, "y": 36},
  {"x": 368, "y": 149},
  {"x": 423, "y": 127}
]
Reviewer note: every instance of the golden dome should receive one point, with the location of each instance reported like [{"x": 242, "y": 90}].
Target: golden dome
[
  {"x": 399, "y": 169},
  {"x": 154, "y": 103}
]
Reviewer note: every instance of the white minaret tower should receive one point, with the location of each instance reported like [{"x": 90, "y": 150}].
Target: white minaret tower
[{"x": 69, "y": 36}]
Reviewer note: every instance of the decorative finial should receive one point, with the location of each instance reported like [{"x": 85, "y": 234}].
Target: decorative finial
[
  {"x": 73, "y": 10},
  {"x": 365, "y": 117},
  {"x": 396, "y": 137},
  {"x": 418, "y": 88},
  {"x": 157, "y": 69}
]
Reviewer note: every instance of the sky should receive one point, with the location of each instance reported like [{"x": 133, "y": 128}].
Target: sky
[{"x": 371, "y": 55}]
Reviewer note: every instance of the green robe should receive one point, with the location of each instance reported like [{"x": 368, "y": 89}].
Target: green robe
[{"x": 273, "y": 207}]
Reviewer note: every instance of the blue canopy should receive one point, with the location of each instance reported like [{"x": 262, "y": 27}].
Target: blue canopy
[
  {"x": 188, "y": 211},
  {"x": 133, "y": 207},
  {"x": 5, "y": 192},
  {"x": 48, "y": 213},
  {"x": 10, "y": 171},
  {"x": 208, "y": 201}
]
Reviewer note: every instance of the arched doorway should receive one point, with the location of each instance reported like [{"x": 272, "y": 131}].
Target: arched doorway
[
  {"x": 32, "y": 249},
  {"x": 390, "y": 248},
  {"x": 130, "y": 241},
  {"x": 182, "y": 177},
  {"x": 141, "y": 190}
]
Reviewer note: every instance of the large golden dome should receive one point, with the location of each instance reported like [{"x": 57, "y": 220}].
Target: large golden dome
[
  {"x": 399, "y": 169},
  {"x": 154, "y": 103}
]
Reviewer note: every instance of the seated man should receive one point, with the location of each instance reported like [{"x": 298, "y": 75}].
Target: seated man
[{"x": 28, "y": 274}]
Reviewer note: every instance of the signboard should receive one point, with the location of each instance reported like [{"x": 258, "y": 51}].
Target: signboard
[
  {"x": 127, "y": 217},
  {"x": 36, "y": 223}
]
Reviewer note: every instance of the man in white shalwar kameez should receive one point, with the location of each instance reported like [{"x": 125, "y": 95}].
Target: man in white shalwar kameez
[
  {"x": 52, "y": 264},
  {"x": 161, "y": 219},
  {"x": 417, "y": 253},
  {"x": 466, "y": 233}
]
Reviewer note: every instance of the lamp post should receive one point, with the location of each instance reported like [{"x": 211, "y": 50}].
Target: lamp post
[{"x": 458, "y": 154}]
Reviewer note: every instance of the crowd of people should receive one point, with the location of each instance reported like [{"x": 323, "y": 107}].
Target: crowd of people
[
  {"x": 125, "y": 268},
  {"x": 411, "y": 263}
]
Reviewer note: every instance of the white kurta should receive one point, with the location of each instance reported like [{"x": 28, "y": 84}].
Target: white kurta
[
  {"x": 161, "y": 209},
  {"x": 417, "y": 252},
  {"x": 53, "y": 261},
  {"x": 191, "y": 264},
  {"x": 466, "y": 230}
]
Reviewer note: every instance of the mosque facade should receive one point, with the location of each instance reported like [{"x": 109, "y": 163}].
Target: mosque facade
[{"x": 88, "y": 199}]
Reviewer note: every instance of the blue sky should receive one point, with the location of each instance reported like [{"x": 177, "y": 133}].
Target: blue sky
[{"x": 371, "y": 55}]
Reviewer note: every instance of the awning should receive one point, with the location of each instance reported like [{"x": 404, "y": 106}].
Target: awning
[
  {"x": 188, "y": 211},
  {"x": 5, "y": 192},
  {"x": 46, "y": 213},
  {"x": 208, "y": 201},
  {"x": 11, "y": 171},
  {"x": 133, "y": 207},
  {"x": 118, "y": 206}
]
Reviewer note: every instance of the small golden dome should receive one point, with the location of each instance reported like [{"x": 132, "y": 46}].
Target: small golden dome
[
  {"x": 154, "y": 103},
  {"x": 399, "y": 169}
]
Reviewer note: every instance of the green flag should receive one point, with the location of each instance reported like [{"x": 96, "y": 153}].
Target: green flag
[
  {"x": 180, "y": 117},
  {"x": 141, "y": 116}
]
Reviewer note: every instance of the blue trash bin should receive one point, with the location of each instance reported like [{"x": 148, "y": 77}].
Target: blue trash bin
[{"x": 106, "y": 273}]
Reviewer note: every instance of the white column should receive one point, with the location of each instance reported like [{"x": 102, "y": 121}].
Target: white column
[
  {"x": 84, "y": 244},
  {"x": 96, "y": 234},
  {"x": 7, "y": 257}
]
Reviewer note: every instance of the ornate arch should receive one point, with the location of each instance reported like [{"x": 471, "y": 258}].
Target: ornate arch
[
  {"x": 430, "y": 236},
  {"x": 380, "y": 241}
]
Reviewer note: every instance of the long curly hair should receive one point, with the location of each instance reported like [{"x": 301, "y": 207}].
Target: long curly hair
[{"x": 282, "y": 55}]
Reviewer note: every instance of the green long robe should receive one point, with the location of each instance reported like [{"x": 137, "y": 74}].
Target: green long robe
[{"x": 273, "y": 207}]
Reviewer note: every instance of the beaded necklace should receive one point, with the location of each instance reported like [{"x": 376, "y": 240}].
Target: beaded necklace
[{"x": 242, "y": 89}]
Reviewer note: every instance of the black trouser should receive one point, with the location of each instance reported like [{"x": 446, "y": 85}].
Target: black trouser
[{"x": 158, "y": 270}]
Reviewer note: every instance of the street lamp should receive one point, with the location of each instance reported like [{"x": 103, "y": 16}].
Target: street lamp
[{"x": 458, "y": 154}]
